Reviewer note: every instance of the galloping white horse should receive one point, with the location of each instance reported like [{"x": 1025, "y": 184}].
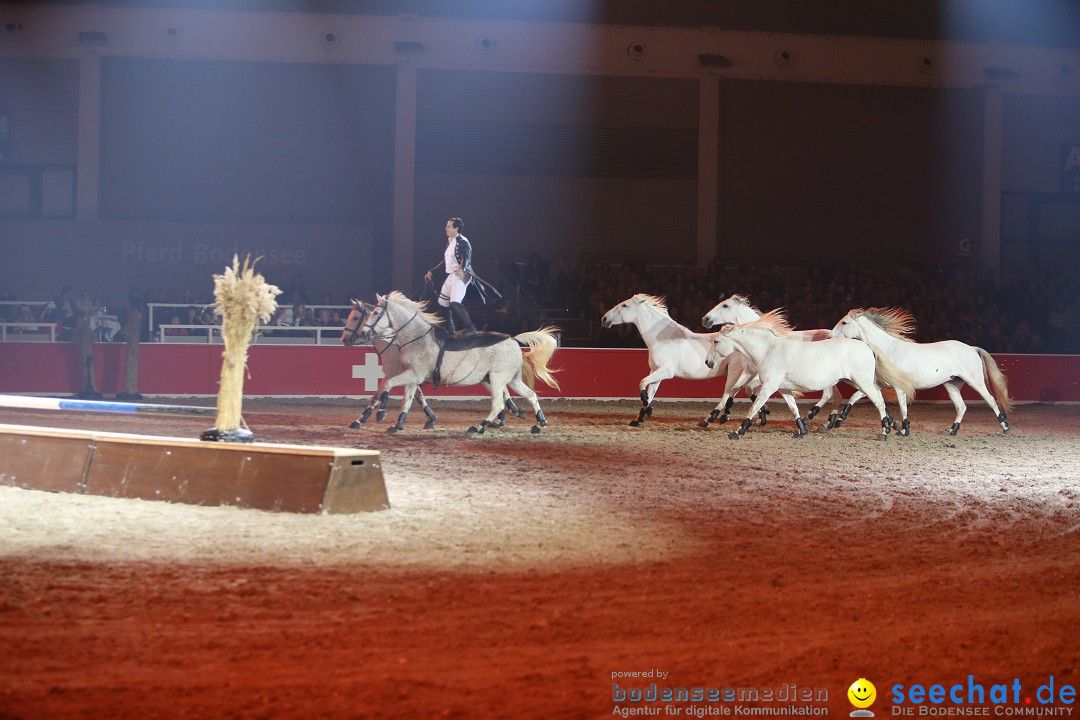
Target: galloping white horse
[
  {"x": 674, "y": 351},
  {"x": 950, "y": 363},
  {"x": 489, "y": 359},
  {"x": 738, "y": 310},
  {"x": 390, "y": 357},
  {"x": 790, "y": 365}
]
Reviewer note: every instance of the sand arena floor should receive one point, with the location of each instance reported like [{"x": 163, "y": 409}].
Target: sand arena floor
[{"x": 515, "y": 574}]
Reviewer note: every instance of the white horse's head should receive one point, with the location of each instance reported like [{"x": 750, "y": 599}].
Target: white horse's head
[
  {"x": 350, "y": 335},
  {"x": 721, "y": 347},
  {"x": 634, "y": 309},
  {"x": 736, "y": 309},
  {"x": 395, "y": 316},
  {"x": 848, "y": 327},
  {"x": 865, "y": 324}
]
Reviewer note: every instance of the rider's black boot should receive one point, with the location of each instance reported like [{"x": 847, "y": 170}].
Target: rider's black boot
[
  {"x": 449, "y": 323},
  {"x": 467, "y": 328}
]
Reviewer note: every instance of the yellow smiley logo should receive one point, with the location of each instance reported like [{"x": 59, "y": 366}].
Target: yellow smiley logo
[{"x": 862, "y": 693}]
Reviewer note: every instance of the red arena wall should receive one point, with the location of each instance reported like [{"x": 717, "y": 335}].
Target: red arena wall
[{"x": 330, "y": 370}]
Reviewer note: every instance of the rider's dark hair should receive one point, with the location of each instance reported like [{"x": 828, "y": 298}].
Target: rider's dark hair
[{"x": 458, "y": 224}]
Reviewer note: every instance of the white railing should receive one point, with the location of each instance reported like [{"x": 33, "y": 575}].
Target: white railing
[
  {"x": 181, "y": 309},
  {"x": 27, "y": 332}
]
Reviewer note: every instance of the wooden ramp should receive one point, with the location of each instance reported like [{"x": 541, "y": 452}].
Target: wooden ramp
[{"x": 264, "y": 476}]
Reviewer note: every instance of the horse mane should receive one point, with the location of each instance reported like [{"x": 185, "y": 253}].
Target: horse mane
[
  {"x": 656, "y": 302},
  {"x": 743, "y": 300},
  {"x": 418, "y": 307},
  {"x": 895, "y": 321},
  {"x": 773, "y": 321}
]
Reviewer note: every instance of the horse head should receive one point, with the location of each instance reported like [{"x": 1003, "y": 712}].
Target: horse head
[
  {"x": 736, "y": 309},
  {"x": 350, "y": 334},
  {"x": 721, "y": 346},
  {"x": 631, "y": 310},
  {"x": 848, "y": 327}
]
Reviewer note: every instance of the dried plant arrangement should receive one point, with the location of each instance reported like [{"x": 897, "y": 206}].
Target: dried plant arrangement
[{"x": 243, "y": 299}]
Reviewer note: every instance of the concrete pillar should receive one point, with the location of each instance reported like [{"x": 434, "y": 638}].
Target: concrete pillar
[
  {"x": 708, "y": 182},
  {"x": 404, "y": 179},
  {"x": 991, "y": 200},
  {"x": 86, "y": 191}
]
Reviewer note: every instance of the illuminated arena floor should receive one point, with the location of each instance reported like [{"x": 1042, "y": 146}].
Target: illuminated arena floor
[{"x": 515, "y": 574}]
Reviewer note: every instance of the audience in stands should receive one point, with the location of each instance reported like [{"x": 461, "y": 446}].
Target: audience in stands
[{"x": 1024, "y": 310}]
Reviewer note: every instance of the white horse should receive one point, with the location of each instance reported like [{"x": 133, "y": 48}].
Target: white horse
[
  {"x": 428, "y": 353},
  {"x": 738, "y": 310},
  {"x": 390, "y": 358},
  {"x": 674, "y": 351},
  {"x": 950, "y": 363},
  {"x": 790, "y": 365},
  {"x": 391, "y": 361}
]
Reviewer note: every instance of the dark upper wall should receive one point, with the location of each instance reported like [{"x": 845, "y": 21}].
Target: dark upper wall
[
  {"x": 1028, "y": 22},
  {"x": 200, "y": 141},
  {"x": 835, "y": 171}
]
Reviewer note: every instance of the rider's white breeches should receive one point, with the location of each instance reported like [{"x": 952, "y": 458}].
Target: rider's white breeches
[{"x": 453, "y": 290}]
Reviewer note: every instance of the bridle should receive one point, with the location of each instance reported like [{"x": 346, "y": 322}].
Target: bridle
[
  {"x": 390, "y": 337},
  {"x": 354, "y": 333}
]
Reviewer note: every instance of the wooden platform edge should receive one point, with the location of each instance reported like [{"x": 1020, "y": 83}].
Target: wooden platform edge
[{"x": 264, "y": 476}]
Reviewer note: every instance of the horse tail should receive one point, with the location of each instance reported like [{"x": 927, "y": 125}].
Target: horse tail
[
  {"x": 542, "y": 345},
  {"x": 998, "y": 383},
  {"x": 886, "y": 373}
]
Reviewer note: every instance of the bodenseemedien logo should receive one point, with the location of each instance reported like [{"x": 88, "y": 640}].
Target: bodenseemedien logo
[{"x": 862, "y": 695}]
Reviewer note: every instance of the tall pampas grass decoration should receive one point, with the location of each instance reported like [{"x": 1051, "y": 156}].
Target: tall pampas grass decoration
[{"x": 244, "y": 298}]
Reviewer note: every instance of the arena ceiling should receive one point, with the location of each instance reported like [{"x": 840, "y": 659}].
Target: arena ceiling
[{"x": 1051, "y": 23}]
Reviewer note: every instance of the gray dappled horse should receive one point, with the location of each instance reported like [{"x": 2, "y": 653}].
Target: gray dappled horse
[{"x": 427, "y": 353}]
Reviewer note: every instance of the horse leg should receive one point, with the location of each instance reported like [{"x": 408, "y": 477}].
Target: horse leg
[
  {"x": 820, "y": 403},
  {"x": 431, "y": 417},
  {"x": 384, "y": 397},
  {"x": 903, "y": 428},
  {"x": 526, "y": 392},
  {"x": 732, "y": 385},
  {"x": 794, "y": 407},
  {"x": 952, "y": 387},
  {"x": 873, "y": 393},
  {"x": 761, "y": 397},
  {"x": 649, "y": 385},
  {"x": 367, "y": 411},
  {"x": 513, "y": 408},
  {"x": 839, "y": 421},
  {"x": 498, "y": 393},
  {"x": 406, "y": 403},
  {"x": 979, "y": 386}
]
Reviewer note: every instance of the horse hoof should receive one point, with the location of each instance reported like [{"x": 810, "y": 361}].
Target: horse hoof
[
  {"x": 883, "y": 437},
  {"x": 355, "y": 425},
  {"x": 535, "y": 430},
  {"x": 839, "y": 423},
  {"x": 393, "y": 429},
  {"x": 429, "y": 424},
  {"x": 703, "y": 423},
  {"x": 381, "y": 415},
  {"x": 903, "y": 433},
  {"x": 734, "y": 435},
  {"x": 798, "y": 435},
  {"x": 635, "y": 423},
  {"x": 473, "y": 429}
]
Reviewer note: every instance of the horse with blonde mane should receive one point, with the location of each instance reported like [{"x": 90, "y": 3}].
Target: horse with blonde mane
[
  {"x": 785, "y": 365},
  {"x": 674, "y": 351},
  {"x": 429, "y": 353},
  {"x": 949, "y": 362},
  {"x": 737, "y": 310}
]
